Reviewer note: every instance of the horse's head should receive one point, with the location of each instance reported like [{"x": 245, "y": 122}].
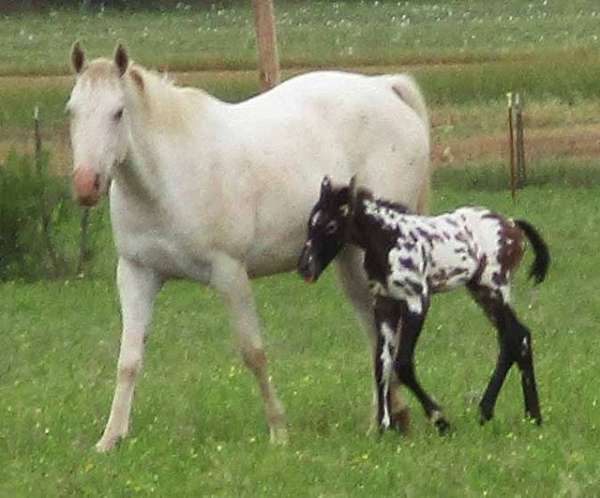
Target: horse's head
[
  {"x": 327, "y": 229},
  {"x": 98, "y": 129}
]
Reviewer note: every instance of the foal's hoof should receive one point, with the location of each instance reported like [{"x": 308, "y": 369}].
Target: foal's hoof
[
  {"x": 485, "y": 415},
  {"x": 536, "y": 418},
  {"x": 442, "y": 426},
  {"x": 440, "y": 423}
]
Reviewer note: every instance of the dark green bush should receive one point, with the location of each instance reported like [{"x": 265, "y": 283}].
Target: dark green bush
[{"x": 39, "y": 223}]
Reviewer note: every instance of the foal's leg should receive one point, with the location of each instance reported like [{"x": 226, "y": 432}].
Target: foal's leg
[
  {"x": 138, "y": 287},
  {"x": 411, "y": 326},
  {"x": 387, "y": 314},
  {"x": 354, "y": 281},
  {"x": 522, "y": 351},
  {"x": 515, "y": 346},
  {"x": 229, "y": 277}
]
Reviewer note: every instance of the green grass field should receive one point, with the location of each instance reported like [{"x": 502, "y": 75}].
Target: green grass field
[
  {"x": 198, "y": 427},
  {"x": 316, "y": 33}
]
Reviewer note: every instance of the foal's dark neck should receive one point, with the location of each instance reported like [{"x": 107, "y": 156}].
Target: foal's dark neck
[{"x": 364, "y": 230}]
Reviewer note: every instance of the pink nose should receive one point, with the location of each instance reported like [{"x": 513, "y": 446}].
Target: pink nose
[{"x": 86, "y": 183}]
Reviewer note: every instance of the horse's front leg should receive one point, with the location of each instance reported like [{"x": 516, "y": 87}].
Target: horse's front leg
[
  {"x": 138, "y": 287},
  {"x": 387, "y": 315},
  {"x": 354, "y": 281},
  {"x": 230, "y": 279},
  {"x": 412, "y": 320}
]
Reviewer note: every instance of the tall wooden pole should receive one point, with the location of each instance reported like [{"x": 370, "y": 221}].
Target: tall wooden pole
[
  {"x": 521, "y": 170},
  {"x": 264, "y": 21},
  {"x": 511, "y": 142}
]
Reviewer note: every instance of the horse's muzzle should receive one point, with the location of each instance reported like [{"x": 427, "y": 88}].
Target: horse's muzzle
[
  {"x": 308, "y": 267},
  {"x": 87, "y": 186}
]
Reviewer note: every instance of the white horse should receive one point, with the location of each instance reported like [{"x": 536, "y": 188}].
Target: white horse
[{"x": 218, "y": 193}]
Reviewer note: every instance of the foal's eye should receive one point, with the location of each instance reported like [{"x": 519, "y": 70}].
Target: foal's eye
[
  {"x": 118, "y": 115},
  {"x": 331, "y": 227}
]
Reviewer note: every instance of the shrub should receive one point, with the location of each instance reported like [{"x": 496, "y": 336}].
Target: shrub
[{"x": 39, "y": 223}]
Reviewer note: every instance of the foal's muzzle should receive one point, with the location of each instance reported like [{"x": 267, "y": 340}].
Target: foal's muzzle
[{"x": 308, "y": 267}]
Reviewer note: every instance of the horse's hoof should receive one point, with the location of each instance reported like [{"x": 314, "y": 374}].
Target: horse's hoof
[
  {"x": 536, "y": 418},
  {"x": 485, "y": 415},
  {"x": 279, "y": 436},
  {"x": 107, "y": 444},
  {"x": 442, "y": 426},
  {"x": 401, "y": 421}
]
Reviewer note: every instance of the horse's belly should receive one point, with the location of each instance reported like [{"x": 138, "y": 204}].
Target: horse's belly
[{"x": 164, "y": 257}]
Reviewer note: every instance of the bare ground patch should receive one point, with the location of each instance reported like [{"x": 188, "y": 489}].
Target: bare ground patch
[{"x": 580, "y": 142}]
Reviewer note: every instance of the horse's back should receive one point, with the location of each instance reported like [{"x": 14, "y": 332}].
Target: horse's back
[{"x": 375, "y": 126}]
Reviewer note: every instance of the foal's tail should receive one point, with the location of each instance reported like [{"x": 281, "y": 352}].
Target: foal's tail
[{"x": 540, "y": 265}]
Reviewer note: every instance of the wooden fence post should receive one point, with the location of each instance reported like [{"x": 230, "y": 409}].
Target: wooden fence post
[
  {"x": 264, "y": 21},
  {"x": 521, "y": 170},
  {"x": 45, "y": 217},
  {"x": 511, "y": 143}
]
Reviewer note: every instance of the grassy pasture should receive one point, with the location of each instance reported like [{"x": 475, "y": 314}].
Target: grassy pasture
[
  {"x": 319, "y": 33},
  {"x": 198, "y": 426}
]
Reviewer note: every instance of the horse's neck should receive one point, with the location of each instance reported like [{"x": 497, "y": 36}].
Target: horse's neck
[{"x": 155, "y": 136}]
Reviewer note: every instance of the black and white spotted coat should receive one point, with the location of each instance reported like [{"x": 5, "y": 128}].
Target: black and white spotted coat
[{"x": 430, "y": 254}]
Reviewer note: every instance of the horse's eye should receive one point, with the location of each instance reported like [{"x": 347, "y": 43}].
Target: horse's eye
[
  {"x": 118, "y": 115},
  {"x": 331, "y": 227}
]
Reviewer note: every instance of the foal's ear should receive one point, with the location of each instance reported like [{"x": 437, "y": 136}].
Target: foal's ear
[
  {"x": 77, "y": 57},
  {"x": 325, "y": 186},
  {"x": 351, "y": 193},
  {"x": 121, "y": 59}
]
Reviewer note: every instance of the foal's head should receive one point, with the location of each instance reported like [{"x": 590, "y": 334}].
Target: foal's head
[
  {"x": 327, "y": 229},
  {"x": 98, "y": 132}
]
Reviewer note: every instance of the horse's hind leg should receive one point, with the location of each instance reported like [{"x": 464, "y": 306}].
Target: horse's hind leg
[
  {"x": 231, "y": 280},
  {"x": 411, "y": 326},
  {"x": 354, "y": 281},
  {"x": 522, "y": 352},
  {"x": 138, "y": 287},
  {"x": 515, "y": 346}
]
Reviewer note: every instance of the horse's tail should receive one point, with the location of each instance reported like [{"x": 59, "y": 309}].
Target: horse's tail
[
  {"x": 408, "y": 90},
  {"x": 423, "y": 198},
  {"x": 540, "y": 265}
]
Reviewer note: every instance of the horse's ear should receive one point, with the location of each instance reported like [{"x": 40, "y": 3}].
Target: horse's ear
[
  {"x": 352, "y": 186},
  {"x": 137, "y": 79},
  {"x": 121, "y": 59},
  {"x": 325, "y": 186},
  {"x": 77, "y": 57}
]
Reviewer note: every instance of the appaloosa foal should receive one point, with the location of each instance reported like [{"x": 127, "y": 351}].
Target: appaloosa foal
[{"x": 410, "y": 257}]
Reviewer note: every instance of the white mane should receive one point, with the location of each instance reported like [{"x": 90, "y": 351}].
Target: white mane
[{"x": 159, "y": 101}]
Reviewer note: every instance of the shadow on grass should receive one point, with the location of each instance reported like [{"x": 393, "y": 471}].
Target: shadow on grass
[{"x": 495, "y": 177}]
